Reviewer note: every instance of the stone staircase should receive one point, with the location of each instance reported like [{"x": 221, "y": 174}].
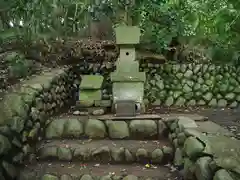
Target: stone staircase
[{"x": 76, "y": 147}]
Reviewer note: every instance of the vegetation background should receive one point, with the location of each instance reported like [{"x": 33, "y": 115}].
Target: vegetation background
[{"x": 37, "y": 33}]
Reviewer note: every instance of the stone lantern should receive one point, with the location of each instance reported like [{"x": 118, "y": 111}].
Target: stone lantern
[{"x": 127, "y": 81}]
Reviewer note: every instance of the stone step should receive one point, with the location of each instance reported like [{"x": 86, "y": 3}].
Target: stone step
[
  {"x": 79, "y": 127},
  {"x": 78, "y": 171},
  {"x": 154, "y": 116},
  {"x": 105, "y": 151}
]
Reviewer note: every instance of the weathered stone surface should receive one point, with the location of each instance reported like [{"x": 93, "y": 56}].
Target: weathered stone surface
[
  {"x": 5, "y": 145},
  {"x": 26, "y": 176},
  {"x": 66, "y": 177},
  {"x": 107, "y": 177},
  {"x": 203, "y": 171},
  {"x": 102, "y": 154},
  {"x": 157, "y": 156},
  {"x": 186, "y": 122},
  {"x": 115, "y": 177},
  {"x": 86, "y": 177},
  {"x": 167, "y": 150},
  {"x": 173, "y": 126},
  {"x": 10, "y": 169},
  {"x": 95, "y": 129},
  {"x": 17, "y": 123},
  {"x": 178, "y": 157},
  {"x": 73, "y": 128},
  {"x": 130, "y": 177},
  {"x": 91, "y": 82},
  {"x": 33, "y": 134},
  {"x": 98, "y": 112},
  {"x": 118, "y": 154},
  {"x": 12, "y": 105},
  {"x": 215, "y": 85},
  {"x": 162, "y": 128},
  {"x": 222, "y": 174},
  {"x": 64, "y": 154},
  {"x": 192, "y": 132},
  {"x": 213, "y": 128},
  {"x": 118, "y": 129},
  {"x": 55, "y": 129},
  {"x": 141, "y": 154},
  {"x": 48, "y": 152},
  {"x": 82, "y": 154},
  {"x": 181, "y": 137},
  {"x": 227, "y": 158},
  {"x": 24, "y": 110},
  {"x": 193, "y": 147},
  {"x": 49, "y": 177},
  {"x": 129, "y": 156},
  {"x": 87, "y": 97},
  {"x": 175, "y": 143},
  {"x": 189, "y": 169},
  {"x": 143, "y": 128},
  {"x": 225, "y": 151}
]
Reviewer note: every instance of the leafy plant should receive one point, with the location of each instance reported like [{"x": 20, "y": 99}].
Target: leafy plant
[{"x": 211, "y": 24}]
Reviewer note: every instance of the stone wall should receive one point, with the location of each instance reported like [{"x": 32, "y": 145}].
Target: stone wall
[
  {"x": 95, "y": 129},
  {"x": 24, "y": 113},
  {"x": 182, "y": 85},
  {"x": 201, "y": 155},
  {"x": 192, "y": 85}
]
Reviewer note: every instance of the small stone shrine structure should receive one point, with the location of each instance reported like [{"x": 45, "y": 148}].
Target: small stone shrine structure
[
  {"x": 128, "y": 82},
  {"x": 90, "y": 90}
]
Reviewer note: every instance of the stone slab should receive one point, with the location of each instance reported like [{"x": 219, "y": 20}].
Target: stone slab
[
  {"x": 128, "y": 91},
  {"x": 91, "y": 82},
  {"x": 141, "y": 117},
  {"x": 225, "y": 151},
  {"x": 129, "y": 76},
  {"x": 164, "y": 117},
  {"x": 194, "y": 117},
  {"x": 103, "y": 103},
  {"x": 90, "y": 95},
  {"x": 127, "y": 35},
  {"x": 212, "y": 128}
]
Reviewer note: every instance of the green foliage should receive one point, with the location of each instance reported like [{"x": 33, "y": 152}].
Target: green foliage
[
  {"x": 211, "y": 24},
  {"x": 18, "y": 66}
]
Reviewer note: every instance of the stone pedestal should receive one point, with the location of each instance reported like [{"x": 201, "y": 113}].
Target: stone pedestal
[{"x": 90, "y": 90}]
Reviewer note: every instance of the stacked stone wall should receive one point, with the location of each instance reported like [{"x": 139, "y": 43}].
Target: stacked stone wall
[
  {"x": 181, "y": 84},
  {"x": 24, "y": 113},
  {"x": 101, "y": 129},
  {"x": 201, "y": 155},
  {"x": 192, "y": 85}
]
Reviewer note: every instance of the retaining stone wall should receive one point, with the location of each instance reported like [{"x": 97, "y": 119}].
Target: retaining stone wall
[
  {"x": 192, "y": 85},
  {"x": 97, "y": 129},
  {"x": 23, "y": 114},
  {"x": 182, "y": 85},
  {"x": 203, "y": 156},
  {"x": 100, "y": 129}
]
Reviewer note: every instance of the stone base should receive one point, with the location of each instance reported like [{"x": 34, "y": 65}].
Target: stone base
[{"x": 204, "y": 150}]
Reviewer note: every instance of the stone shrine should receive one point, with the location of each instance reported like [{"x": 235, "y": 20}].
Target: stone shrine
[{"x": 128, "y": 82}]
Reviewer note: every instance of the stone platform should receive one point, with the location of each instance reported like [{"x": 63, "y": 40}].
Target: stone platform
[
  {"x": 205, "y": 150},
  {"x": 168, "y": 146}
]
